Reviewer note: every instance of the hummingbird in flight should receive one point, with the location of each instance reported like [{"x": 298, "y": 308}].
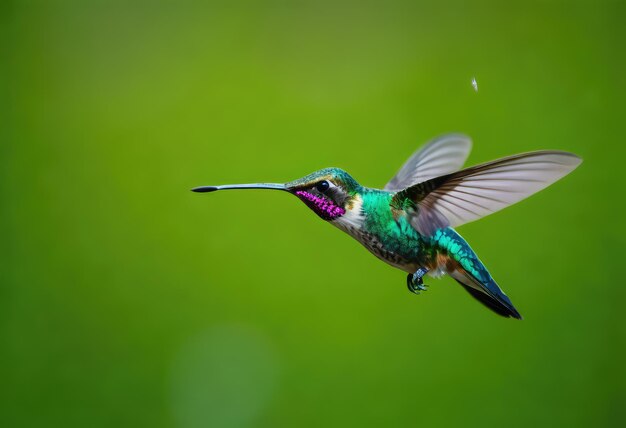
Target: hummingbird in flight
[{"x": 410, "y": 223}]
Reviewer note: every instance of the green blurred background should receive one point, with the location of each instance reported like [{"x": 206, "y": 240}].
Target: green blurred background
[{"x": 126, "y": 300}]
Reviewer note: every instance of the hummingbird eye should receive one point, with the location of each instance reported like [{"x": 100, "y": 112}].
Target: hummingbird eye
[{"x": 322, "y": 186}]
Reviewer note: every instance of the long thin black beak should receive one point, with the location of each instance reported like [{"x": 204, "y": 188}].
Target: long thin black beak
[{"x": 271, "y": 186}]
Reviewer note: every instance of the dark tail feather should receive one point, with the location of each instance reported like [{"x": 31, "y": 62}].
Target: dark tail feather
[{"x": 492, "y": 297}]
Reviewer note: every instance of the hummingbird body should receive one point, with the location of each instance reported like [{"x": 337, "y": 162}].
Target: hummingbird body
[
  {"x": 387, "y": 235},
  {"x": 410, "y": 223}
]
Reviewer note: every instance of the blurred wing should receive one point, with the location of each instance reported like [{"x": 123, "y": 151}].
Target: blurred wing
[
  {"x": 441, "y": 156},
  {"x": 475, "y": 192}
]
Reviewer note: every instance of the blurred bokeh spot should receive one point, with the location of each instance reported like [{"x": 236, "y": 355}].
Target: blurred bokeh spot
[{"x": 223, "y": 377}]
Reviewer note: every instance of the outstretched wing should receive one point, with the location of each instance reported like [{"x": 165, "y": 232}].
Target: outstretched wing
[
  {"x": 440, "y": 156},
  {"x": 472, "y": 193}
]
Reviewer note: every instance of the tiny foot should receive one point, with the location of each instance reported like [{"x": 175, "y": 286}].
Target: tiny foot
[
  {"x": 412, "y": 287},
  {"x": 414, "y": 281}
]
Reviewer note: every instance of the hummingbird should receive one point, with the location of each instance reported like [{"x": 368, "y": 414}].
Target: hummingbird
[{"x": 410, "y": 223}]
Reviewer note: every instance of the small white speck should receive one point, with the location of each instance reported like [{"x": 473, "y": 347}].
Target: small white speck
[{"x": 474, "y": 84}]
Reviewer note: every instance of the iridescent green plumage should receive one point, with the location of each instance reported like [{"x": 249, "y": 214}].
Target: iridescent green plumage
[{"x": 410, "y": 223}]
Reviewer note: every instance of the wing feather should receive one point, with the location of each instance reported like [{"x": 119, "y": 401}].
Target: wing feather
[
  {"x": 441, "y": 156},
  {"x": 473, "y": 193}
]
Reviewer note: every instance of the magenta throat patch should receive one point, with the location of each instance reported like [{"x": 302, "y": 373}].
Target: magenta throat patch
[{"x": 322, "y": 206}]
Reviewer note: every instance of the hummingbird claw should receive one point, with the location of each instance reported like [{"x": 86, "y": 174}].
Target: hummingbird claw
[{"x": 414, "y": 281}]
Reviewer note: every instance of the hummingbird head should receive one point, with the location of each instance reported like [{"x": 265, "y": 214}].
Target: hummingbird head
[{"x": 329, "y": 192}]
